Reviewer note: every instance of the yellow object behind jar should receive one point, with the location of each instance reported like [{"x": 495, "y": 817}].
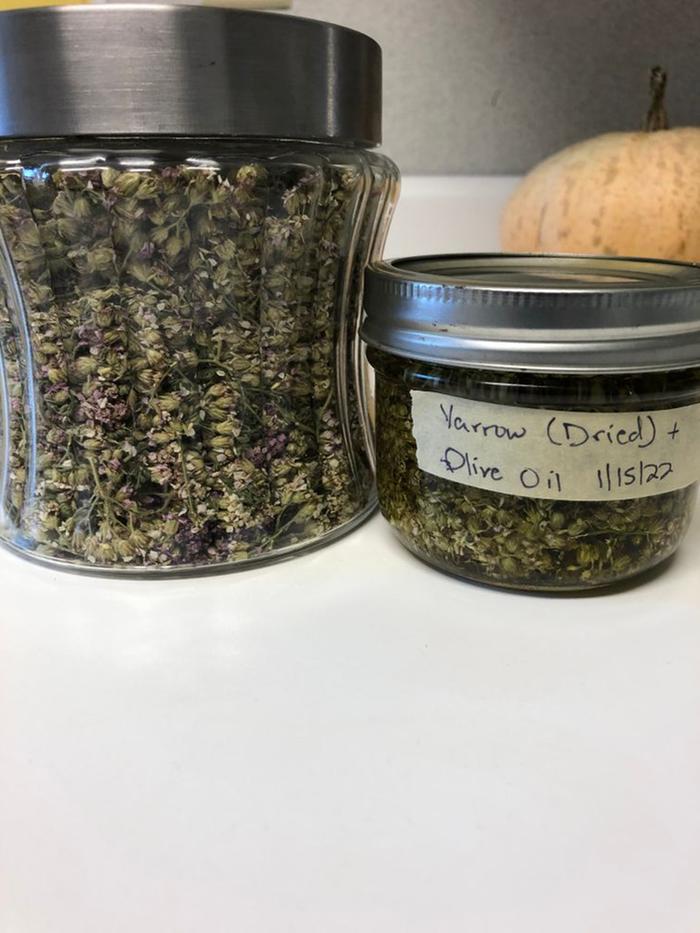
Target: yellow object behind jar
[
  {"x": 238, "y": 4},
  {"x": 25, "y": 4}
]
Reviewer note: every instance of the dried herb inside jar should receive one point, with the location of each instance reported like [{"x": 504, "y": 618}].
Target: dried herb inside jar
[
  {"x": 171, "y": 391},
  {"x": 516, "y": 541}
]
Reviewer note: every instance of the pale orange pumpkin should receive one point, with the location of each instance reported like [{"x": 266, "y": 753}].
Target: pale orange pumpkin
[{"x": 625, "y": 194}]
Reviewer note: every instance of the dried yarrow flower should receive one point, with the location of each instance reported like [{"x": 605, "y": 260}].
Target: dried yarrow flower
[
  {"x": 512, "y": 540},
  {"x": 179, "y": 339}
]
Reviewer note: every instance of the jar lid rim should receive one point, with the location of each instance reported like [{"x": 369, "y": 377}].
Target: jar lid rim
[
  {"x": 545, "y": 313},
  {"x": 131, "y": 69}
]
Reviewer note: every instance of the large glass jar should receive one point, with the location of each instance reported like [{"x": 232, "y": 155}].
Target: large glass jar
[
  {"x": 538, "y": 418},
  {"x": 180, "y": 367}
]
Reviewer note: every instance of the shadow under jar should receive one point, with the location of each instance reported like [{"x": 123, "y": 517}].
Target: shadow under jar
[
  {"x": 181, "y": 285},
  {"x": 538, "y": 418}
]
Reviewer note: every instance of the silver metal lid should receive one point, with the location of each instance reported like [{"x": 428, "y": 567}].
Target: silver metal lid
[
  {"x": 135, "y": 69},
  {"x": 583, "y": 314}
]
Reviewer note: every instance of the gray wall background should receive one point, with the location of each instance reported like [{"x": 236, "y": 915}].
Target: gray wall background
[{"x": 492, "y": 86}]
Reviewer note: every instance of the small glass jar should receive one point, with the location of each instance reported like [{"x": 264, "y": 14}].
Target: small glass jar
[
  {"x": 184, "y": 224},
  {"x": 538, "y": 418}
]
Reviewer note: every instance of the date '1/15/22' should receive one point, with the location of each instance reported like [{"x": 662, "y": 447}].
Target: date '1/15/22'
[{"x": 549, "y": 454}]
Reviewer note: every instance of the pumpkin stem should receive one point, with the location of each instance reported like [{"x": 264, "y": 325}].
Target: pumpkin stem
[{"x": 657, "y": 118}]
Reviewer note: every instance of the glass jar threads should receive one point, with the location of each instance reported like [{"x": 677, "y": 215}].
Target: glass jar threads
[
  {"x": 538, "y": 418},
  {"x": 185, "y": 220}
]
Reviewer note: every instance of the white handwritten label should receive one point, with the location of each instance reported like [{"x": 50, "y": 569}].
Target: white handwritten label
[{"x": 548, "y": 454}]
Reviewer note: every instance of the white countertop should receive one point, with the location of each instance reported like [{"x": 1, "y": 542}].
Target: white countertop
[{"x": 349, "y": 741}]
